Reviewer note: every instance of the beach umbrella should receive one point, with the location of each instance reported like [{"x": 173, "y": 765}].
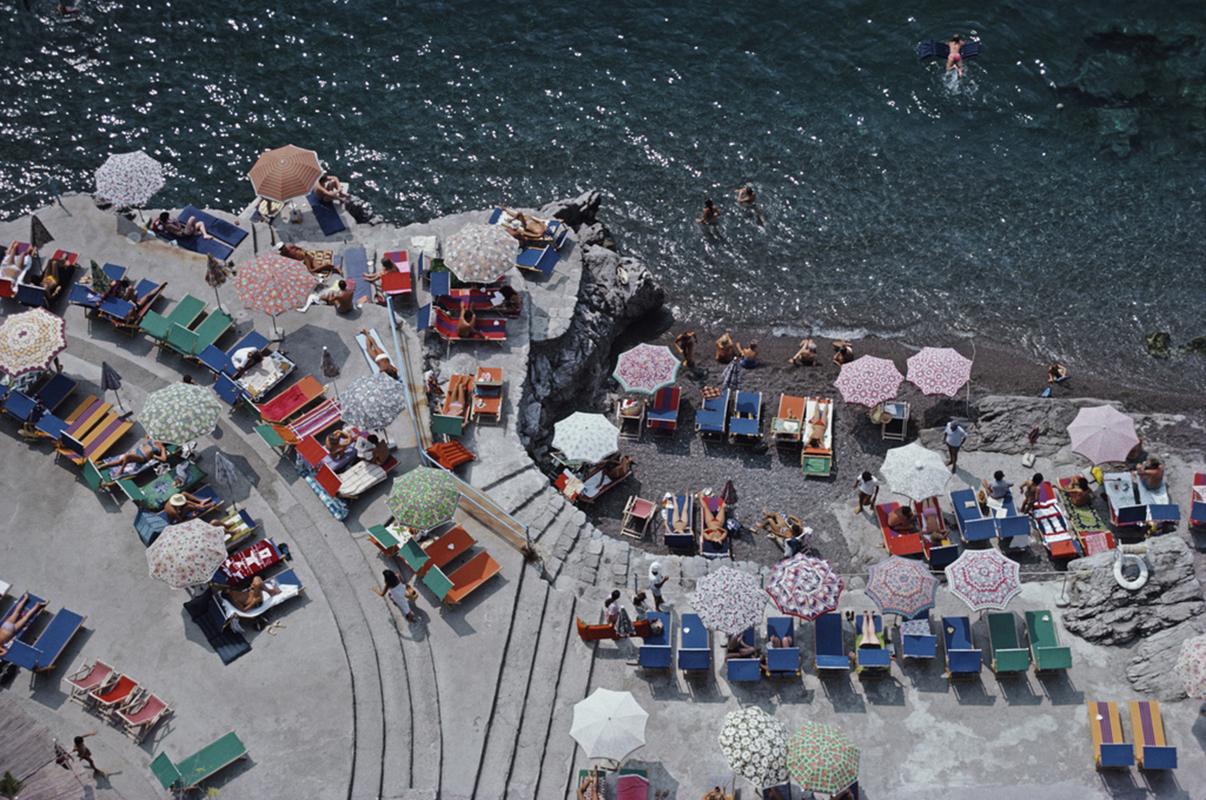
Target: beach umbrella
[
  {"x": 423, "y": 498},
  {"x": 1191, "y": 666},
  {"x": 902, "y": 586},
  {"x": 273, "y": 284},
  {"x": 98, "y": 279},
  {"x": 731, "y": 377},
  {"x": 329, "y": 368},
  {"x": 984, "y": 579},
  {"x": 285, "y": 173},
  {"x": 128, "y": 180},
  {"x": 585, "y": 438},
  {"x": 939, "y": 370},
  {"x": 915, "y": 471},
  {"x": 216, "y": 274},
  {"x": 180, "y": 413},
  {"x": 646, "y": 368},
  {"x": 187, "y": 553},
  {"x": 868, "y": 381},
  {"x": 821, "y": 759},
  {"x": 372, "y": 401},
  {"x": 755, "y": 745},
  {"x": 480, "y": 253},
  {"x": 111, "y": 381},
  {"x": 228, "y": 477},
  {"x": 1103, "y": 433},
  {"x": 39, "y": 236},
  {"x": 609, "y": 725},
  {"x": 729, "y": 600},
  {"x": 804, "y": 586},
  {"x": 30, "y": 341}
]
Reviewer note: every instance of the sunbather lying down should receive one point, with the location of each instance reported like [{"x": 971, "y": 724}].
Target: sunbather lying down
[
  {"x": 382, "y": 359},
  {"x": 867, "y": 636},
  {"x": 816, "y": 429},
  {"x": 777, "y": 525},
  {"x": 680, "y": 518},
  {"x": 252, "y": 597},
  {"x": 523, "y": 227},
  {"x": 16, "y": 621},
  {"x": 713, "y": 524},
  {"x": 130, "y": 461}
]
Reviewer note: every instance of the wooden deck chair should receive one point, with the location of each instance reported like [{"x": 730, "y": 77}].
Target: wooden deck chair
[
  {"x": 637, "y": 514},
  {"x": 86, "y": 679},
  {"x": 816, "y": 456},
  {"x": 1152, "y": 750},
  {"x": 787, "y": 426},
  {"x": 1110, "y": 750},
  {"x": 141, "y": 716}
]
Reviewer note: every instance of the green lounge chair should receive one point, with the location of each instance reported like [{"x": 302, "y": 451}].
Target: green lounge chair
[
  {"x": 211, "y": 329},
  {"x": 199, "y": 767},
  {"x": 184, "y": 314},
  {"x": 1044, "y": 642},
  {"x": 1008, "y": 655},
  {"x": 135, "y": 493},
  {"x": 415, "y": 556}
]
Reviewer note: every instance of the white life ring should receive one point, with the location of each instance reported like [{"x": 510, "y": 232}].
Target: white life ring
[{"x": 1130, "y": 584}]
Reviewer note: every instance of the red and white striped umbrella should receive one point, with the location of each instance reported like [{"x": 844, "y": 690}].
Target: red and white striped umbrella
[
  {"x": 984, "y": 579},
  {"x": 285, "y": 172},
  {"x": 868, "y": 381},
  {"x": 939, "y": 370}
]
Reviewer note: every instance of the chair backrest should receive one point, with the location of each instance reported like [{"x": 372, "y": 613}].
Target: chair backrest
[
  {"x": 186, "y": 311},
  {"x": 1002, "y": 630},
  {"x": 447, "y": 425},
  {"x": 182, "y": 339},
  {"x": 328, "y": 480},
  {"x": 436, "y": 581}
]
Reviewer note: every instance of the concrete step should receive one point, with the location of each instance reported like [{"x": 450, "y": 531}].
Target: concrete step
[
  {"x": 576, "y": 664},
  {"x": 514, "y": 686},
  {"x": 533, "y": 734},
  {"x": 563, "y": 513},
  {"x": 520, "y": 489}
]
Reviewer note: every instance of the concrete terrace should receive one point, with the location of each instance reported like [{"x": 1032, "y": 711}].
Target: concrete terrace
[{"x": 344, "y": 698}]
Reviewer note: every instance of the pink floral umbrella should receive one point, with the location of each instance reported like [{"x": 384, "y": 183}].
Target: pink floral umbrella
[
  {"x": 939, "y": 370},
  {"x": 984, "y": 579},
  {"x": 868, "y": 381},
  {"x": 804, "y": 586},
  {"x": 902, "y": 586},
  {"x": 646, "y": 368},
  {"x": 1103, "y": 433},
  {"x": 273, "y": 284}
]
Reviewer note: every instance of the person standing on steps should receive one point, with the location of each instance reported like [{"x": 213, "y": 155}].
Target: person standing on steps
[
  {"x": 656, "y": 581},
  {"x": 954, "y": 435}
]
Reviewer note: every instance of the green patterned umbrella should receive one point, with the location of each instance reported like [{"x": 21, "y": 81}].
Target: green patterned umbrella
[
  {"x": 821, "y": 759},
  {"x": 180, "y": 413},
  {"x": 423, "y": 498},
  {"x": 755, "y": 744}
]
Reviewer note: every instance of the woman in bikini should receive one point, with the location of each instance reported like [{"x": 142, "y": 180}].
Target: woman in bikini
[
  {"x": 680, "y": 519},
  {"x": 379, "y": 356},
  {"x": 816, "y": 429},
  {"x": 868, "y": 637},
  {"x": 252, "y": 597},
  {"x": 144, "y": 451},
  {"x": 16, "y": 621},
  {"x": 954, "y": 59},
  {"x": 713, "y": 523}
]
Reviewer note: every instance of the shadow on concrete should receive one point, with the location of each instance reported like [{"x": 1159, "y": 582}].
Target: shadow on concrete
[
  {"x": 1017, "y": 691},
  {"x": 841, "y": 694},
  {"x": 882, "y": 690},
  {"x": 971, "y": 691},
  {"x": 1060, "y": 690}
]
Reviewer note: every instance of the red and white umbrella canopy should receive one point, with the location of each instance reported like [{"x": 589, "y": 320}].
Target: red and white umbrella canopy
[
  {"x": 984, "y": 579},
  {"x": 273, "y": 284},
  {"x": 1103, "y": 433},
  {"x": 939, "y": 370},
  {"x": 804, "y": 586},
  {"x": 646, "y": 368},
  {"x": 868, "y": 381}
]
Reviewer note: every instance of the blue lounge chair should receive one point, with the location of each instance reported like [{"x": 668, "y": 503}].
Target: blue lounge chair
[
  {"x": 227, "y": 232},
  {"x": 441, "y": 284},
  {"x": 695, "y": 645},
  {"x": 1152, "y": 750},
  {"x": 973, "y": 526},
  {"x": 218, "y": 360},
  {"x": 655, "y": 651},
  {"x": 81, "y": 295},
  {"x": 538, "y": 259},
  {"x": 685, "y": 541},
  {"x": 710, "y": 549},
  {"x": 831, "y": 653},
  {"x": 43, "y": 654},
  {"x": 52, "y": 393},
  {"x": 31, "y": 601},
  {"x": 874, "y": 659},
  {"x": 712, "y": 418},
  {"x": 200, "y": 245},
  {"x": 1164, "y": 513},
  {"x": 745, "y": 426},
  {"x": 915, "y": 643},
  {"x": 1013, "y": 526},
  {"x": 782, "y": 660},
  {"x": 963, "y": 658},
  {"x": 744, "y": 670},
  {"x": 327, "y": 216}
]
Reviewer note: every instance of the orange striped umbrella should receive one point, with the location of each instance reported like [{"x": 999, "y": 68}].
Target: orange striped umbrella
[{"x": 285, "y": 173}]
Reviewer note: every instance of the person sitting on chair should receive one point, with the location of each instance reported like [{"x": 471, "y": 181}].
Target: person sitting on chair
[
  {"x": 1030, "y": 490},
  {"x": 122, "y": 289},
  {"x": 902, "y": 520},
  {"x": 371, "y": 449},
  {"x": 13, "y": 265},
  {"x": 1079, "y": 493},
  {"x": 806, "y": 356},
  {"x": 387, "y": 266},
  {"x": 52, "y": 277},
  {"x": 506, "y": 300},
  {"x": 252, "y": 597},
  {"x": 339, "y": 449},
  {"x": 619, "y": 469},
  {"x": 16, "y": 621},
  {"x": 781, "y": 641},
  {"x": 141, "y": 453},
  {"x": 737, "y": 648},
  {"x": 713, "y": 523},
  {"x": 245, "y": 358},
  {"x": 588, "y": 788},
  {"x": 170, "y": 228},
  {"x": 184, "y": 506},
  {"x": 466, "y": 326},
  {"x": 1152, "y": 473}
]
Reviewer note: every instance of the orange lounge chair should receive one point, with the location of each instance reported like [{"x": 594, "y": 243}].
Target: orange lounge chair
[
  {"x": 487, "y": 394},
  {"x": 291, "y": 400},
  {"x": 447, "y": 548},
  {"x": 787, "y": 427},
  {"x": 490, "y": 329},
  {"x": 898, "y": 544},
  {"x": 450, "y": 455},
  {"x": 470, "y": 576}
]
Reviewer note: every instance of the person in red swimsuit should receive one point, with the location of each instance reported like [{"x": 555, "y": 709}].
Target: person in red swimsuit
[{"x": 954, "y": 60}]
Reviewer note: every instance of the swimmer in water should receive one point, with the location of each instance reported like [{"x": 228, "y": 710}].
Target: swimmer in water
[{"x": 954, "y": 59}]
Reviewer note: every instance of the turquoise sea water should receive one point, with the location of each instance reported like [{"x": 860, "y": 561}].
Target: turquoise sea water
[{"x": 1053, "y": 198}]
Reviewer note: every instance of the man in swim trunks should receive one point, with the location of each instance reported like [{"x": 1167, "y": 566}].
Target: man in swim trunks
[
  {"x": 954, "y": 59},
  {"x": 379, "y": 356}
]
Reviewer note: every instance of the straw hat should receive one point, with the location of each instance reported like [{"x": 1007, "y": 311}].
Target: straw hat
[{"x": 177, "y": 500}]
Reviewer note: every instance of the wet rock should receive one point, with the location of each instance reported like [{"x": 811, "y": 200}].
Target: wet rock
[
  {"x": 361, "y": 210},
  {"x": 1111, "y": 77},
  {"x": 580, "y": 210},
  {"x": 1151, "y": 668},
  {"x": 1119, "y": 129},
  {"x": 1159, "y": 344},
  {"x": 1102, "y": 611},
  {"x": 1196, "y": 345}
]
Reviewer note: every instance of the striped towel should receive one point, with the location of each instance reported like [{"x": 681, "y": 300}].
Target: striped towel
[{"x": 317, "y": 419}]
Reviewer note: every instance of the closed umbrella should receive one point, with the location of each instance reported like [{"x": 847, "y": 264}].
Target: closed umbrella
[
  {"x": 755, "y": 745},
  {"x": 111, "y": 381},
  {"x": 187, "y": 554},
  {"x": 609, "y": 725},
  {"x": 423, "y": 498},
  {"x": 1191, "y": 666},
  {"x": 329, "y": 368},
  {"x": 731, "y": 377},
  {"x": 372, "y": 401},
  {"x": 180, "y": 413},
  {"x": 646, "y": 368},
  {"x": 216, "y": 274},
  {"x": 729, "y": 600},
  {"x": 480, "y": 253},
  {"x": 129, "y": 180},
  {"x": 585, "y": 438},
  {"x": 822, "y": 759},
  {"x": 915, "y": 472},
  {"x": 902, "y": 586},
  {"x": 939, "y": 370},
  {"x": 228, "y": 477},
  {"x": 285, "y": 172},
  {"x": 273, "y": 284},
  {"x": 804, "y": 586},
  {"x": 30, "y": 341},
  {"x": 868, "y": 381},
  {"x": 39, "y": 236},
  {"x": 1103, "y": 433},
  {"x": 984, "y": 579}
]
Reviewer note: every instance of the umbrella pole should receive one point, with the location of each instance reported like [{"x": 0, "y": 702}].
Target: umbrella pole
[
  {"x": 218, "y": 299},
  {"x": 118, "y": 398},
  {"x": 277, "y": 335},
  {"x": 255, "y": 240}
]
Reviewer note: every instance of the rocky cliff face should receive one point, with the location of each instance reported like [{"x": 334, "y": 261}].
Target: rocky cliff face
[{"x": 615, "y": 291}]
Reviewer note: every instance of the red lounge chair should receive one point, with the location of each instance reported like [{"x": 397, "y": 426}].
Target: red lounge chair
[
  {"x": 1052, "y": 524},
  {"x": 87, "y": 679},
  {"x": 595, "y": 633},
  {"x": 662, "y": 414},
  {"x": 141, "y": 716},
  {"x": 112, "y": 696},
  {"x": 317, "y": 419},
  {"x": 291, "y": 400},
  {"x": 252, "y": 560},
  {"x": 1197, "y": 501},
  {"x": 490, "y": 329},
  {"x": 470, "y": 576},
  {"x": 898, "y": 544},
  {"x": 450, "y": 455},
  {"x": 400, "y": 283},
  {"x": 311, "y": 451}
]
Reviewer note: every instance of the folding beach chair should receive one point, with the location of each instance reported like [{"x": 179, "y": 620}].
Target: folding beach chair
[
  {"x": 111, "y": 695},
  {"x": 1152, "y": 750},
  {"x": 291, "y": 400},
  {"x": 662, "y": 416},
  {"x": 831, "y": 653},
  {"x": 743, "y": 670},
  {"x": 630, "y": 417},
  {"x": 694, "y": 646},
  {"x": 896, "y": 542},
  {"x": 637, "y": 514},
  {"x": 200, "y": 766},
  {"x": 1008, "y": 655},
  {"x": 140, "y": 716},
  {"x": 782, "y": 661},
  {"x": 655, "y": 650},
  {"x": 711, "y": 420},
  {"x": 917, "y": 639},
  {"x": 895, "y": 421},
  {"x": 1110, "y": 750},
  {"x": 538, "y": 259},
  {"x": 86, "y": 679},
  {"x": 745, "y": 426},
  {"x": 963, "y": 658},
  {"x": 1044, "y": 642}
]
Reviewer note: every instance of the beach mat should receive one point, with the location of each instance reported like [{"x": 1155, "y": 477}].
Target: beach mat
[
  {"x": 355, "y": 267},
  {"x": 205, "y": 612},
  {"x": 326, "y": 216},
  {"x": 206, "y": 247},
  {"x": 228, "y": 232}
]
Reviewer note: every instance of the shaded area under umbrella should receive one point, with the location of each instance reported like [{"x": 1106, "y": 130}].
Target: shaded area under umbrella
[
  {"x": 423, "y": 498},
  {"x": 868, "y": 381},
  {"x": 821, "y": 758},
  {"x": 584, "y": 438},
  {"x": 480, "y": 253},
  {"x": 180, "y": 413},
  {"x": 373, "y": 401},
  {"x": 646, "y": 368},
  {"x": 285, "y": 172},
  {"x": 273, "y": 284},
  {"x": 129, "y": 180},
  {"x": 187, "y": 554},
  {"x": 939, "y": 370},
  {"x": 30, "y": 341}
]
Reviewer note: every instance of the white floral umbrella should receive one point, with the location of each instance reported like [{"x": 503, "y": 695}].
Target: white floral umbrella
[
  {"x": 1103, "y": 433},
  {"x": 373, "y": 401},
  {"x": 187, "y": 554},
  {"x": 1191, "y": 665},
  {"x": 939, "y": 370},
  {"x": 180, "y": 413},
  {"x": 480, "y": 253},
  {"x": 30, "y": 341},
  {"x": 609, "y": 725},
  {"x": 729, "y": 600},
  {"x": 915, "y": 471},
  {"x": 129, "y": 179},
  {"x": 585, "y": 438},
  {"x": 755, "y": 744},
  {"x": 868, "y": 381},
  {"x": 984, "y": 579}
]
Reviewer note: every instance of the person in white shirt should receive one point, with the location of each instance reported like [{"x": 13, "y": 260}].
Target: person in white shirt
[
  {"x": 954, "y": 435},
  {"x": 868, "y": 490},
  {"x": 245, "y": 358}
]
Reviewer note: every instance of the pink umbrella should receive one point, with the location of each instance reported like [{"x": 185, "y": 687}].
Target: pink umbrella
[
  {"x": 646, "y": 368},
  {"x": 984, "y": 579},
  {"x": 939, "y": 370},
  {"x": 868, "y": 381},
  {"x": 1103, "y": 433},
  {"x": 273, "y": 284},
  {"x": 804, "y": 586}
]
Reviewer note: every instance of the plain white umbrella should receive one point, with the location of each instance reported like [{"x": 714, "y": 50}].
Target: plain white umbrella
[
  {"x": 609, "y": 725},
  {"x": 915, "y": 471}
]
